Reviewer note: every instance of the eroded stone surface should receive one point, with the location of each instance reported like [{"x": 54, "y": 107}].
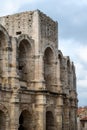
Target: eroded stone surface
[{"x": 37, "y": 83}]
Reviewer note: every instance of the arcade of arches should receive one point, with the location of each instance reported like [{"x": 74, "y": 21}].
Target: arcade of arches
[
  {"x": 37, "y": 83},
  {"x": 26, "y": 121}
]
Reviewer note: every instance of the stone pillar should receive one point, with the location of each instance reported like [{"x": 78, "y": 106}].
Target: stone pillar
[
  {"x": 14, "y": 116},
  {"x": 13, "y": 77},
  {"x": 58, "y": 72},
  {"x": 1, "y": 57},
  {"x": 39, "y": 67},
  {"x": 55, "y": 76},
  {"x": 66, "y": 115},
  {"x": 14, "y": 81},
  {"x": 59, "y": 112},
  {"x": 13, "y": 59},
  {"x": 40, "y": 112},
  {"x": 5, "y": 67},
  {"x": 36, "y": 33},
  {"x": 39, "y": 77},
  {"x": 73, "y": 117},
  {"x": 75, "y": 114}
]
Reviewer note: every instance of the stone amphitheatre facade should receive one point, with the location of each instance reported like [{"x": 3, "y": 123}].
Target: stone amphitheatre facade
[{"x": 37, "y": 83}]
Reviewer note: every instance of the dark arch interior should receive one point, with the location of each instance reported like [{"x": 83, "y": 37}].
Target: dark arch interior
[
  {"x": 21, "y": 121},
  {"x": 24, "y": 53},
  {"x": 60, "y": 57},
  {"x": 49, "y": 121},
  {"x": 68, "y": 70},
  {"x": 2, "y": 46},
  {"x": 25, "y": 121},
  {"x": 48, "y": 55},
  {"x": 48, "y": 67},
  {"x": 2, "y": 120},
  {"x": 61, "y": 67}
]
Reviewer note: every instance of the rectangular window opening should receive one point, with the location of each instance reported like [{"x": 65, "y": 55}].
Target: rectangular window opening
[{"x": 18, "y": 33}]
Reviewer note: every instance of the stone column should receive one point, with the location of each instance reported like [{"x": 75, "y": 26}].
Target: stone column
[
  {"x": 14, "y": 116},
  {"x": 75, "y": 114},
  {"x": 13, "y": 59},
  {"x": 15, "y": 85},
  {"x": 59, "y": 112},
  {"x": 39, "y": 77},
  {"x": 73, "y": 117},
  {"x": 5, "y": 67},
  {"x": 66, "y": 115},
  {"x": 55, "y": 76},
  {"x": 58, "y": 72},
  {"x": 39, "y": 67},
  {"x": 13, "y": 76},
  {"x": 40, "y": 112}
]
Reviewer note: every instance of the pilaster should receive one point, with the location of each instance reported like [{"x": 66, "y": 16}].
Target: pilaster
[
  {"x": 59, "y": 112},
  {"x": 66, "y": 115},
  {"x": 40, "y": 112},
  {"x": 39, "y": 75},
  {"x": 5, "y": 53},
  {"x": 14, "y": 116},
  {"x": 59, "y": 88}
]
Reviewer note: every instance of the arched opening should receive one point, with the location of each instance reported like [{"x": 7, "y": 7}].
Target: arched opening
[
  {"x": 50, "y": 121},
  {"x": 25, "y": 121},
  {"x": 68, "y": 71},
  {"x": 49, "y": 67},
  {"x": 68, "y": 65},
  {"x": 74, "y": 77},
  {"x": 4, "y": 55},
  {"x": 24, "y": 60},
  {"x": 2, "y": 51},
  {"x": 2, "y": 120},
  {"x": 61, "y": 68}
]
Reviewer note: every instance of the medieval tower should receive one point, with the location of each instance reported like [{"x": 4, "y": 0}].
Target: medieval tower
[{"x": 37, "y": 83}]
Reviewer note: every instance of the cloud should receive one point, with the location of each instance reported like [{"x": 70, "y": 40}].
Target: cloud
[
  {"x": 82, "y": 53},
  {"x": 82, "y": 83},
  {"x": 12, "y": 6}
]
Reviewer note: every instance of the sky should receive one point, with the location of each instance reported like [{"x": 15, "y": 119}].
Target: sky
[{"x": 72, "y": 31}]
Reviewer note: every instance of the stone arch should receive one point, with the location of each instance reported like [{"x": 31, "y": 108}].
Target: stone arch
[
  {"x": 25, "y": 36},
  {"x": 4, "y": 53},
  {"x": 61, "y": 65},
  {"x": 74, "y": 76},
  {"x": 68, "y": 64},
  {"x": 25, "y": 120},
  {"x": 4, "y": 118},
  {"x": 4, "y": 31},
  {"x": 50, "y": 121},
  {"x": 25, "y": 61},
  {"x": 69, "y": 71},
  {"x": 51, "y": 47},
  {"x": 60, "y": 55},
  {"x": 49, "y": 72}
]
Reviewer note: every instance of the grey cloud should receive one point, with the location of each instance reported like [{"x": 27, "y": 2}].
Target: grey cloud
[{"x": 70, "y": 14}]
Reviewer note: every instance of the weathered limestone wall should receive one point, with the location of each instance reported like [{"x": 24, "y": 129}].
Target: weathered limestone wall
[
  {"x": 18, "y": 23},
  {"x": 37, "y": 83}
]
